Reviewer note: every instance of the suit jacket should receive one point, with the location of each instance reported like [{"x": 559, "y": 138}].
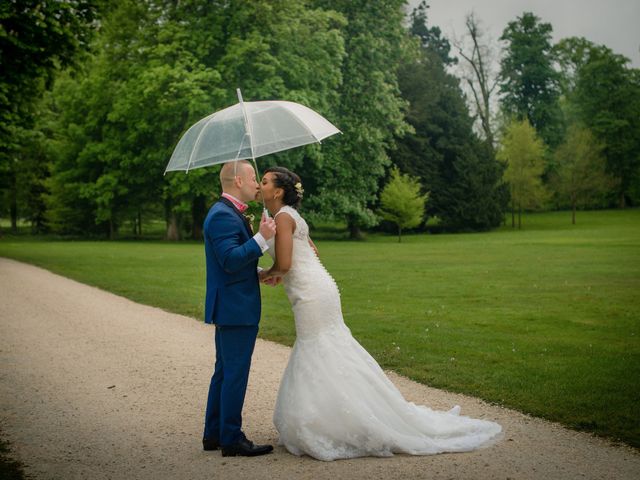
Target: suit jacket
[{"x": 233, "y": 289}]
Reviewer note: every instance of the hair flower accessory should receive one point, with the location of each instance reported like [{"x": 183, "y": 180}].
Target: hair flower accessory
[{"x": 299, "y": 189}]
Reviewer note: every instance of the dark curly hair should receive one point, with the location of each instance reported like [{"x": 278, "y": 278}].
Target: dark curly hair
[{"x": 287, "y": 181}]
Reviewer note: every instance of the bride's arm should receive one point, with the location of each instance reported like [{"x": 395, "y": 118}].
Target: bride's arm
[{"x": 285, "y": 225}]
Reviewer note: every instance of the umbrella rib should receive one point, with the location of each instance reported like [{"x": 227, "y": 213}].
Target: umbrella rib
[
  {"x": 240, "y": 147},
  {"x": 304, "y": 125},
  {"x": 247, "y": 125},
  {"x": 197, "y": 142}
]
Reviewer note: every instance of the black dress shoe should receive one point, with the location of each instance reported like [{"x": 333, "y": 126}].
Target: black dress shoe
[
  {"x": 245, "y": 448},
  {"x": 210, "y": 444}
]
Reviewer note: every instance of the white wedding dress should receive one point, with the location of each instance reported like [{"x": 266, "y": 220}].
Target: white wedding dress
[{"x": 334, "y": 399}]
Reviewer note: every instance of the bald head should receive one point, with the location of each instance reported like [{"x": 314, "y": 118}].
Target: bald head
[
  {"x": 230, "y": 171},
  {"x": 239, "y": 179}
]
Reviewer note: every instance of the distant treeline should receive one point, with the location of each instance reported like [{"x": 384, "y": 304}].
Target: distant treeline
[{"x": 94, "y": 96}]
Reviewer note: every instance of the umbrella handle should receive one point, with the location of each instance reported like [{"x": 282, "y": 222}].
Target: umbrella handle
[{"x": 255, "y": 165}]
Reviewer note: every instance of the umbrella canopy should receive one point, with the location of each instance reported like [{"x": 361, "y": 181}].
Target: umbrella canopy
[{"x": 248, "y": 130}]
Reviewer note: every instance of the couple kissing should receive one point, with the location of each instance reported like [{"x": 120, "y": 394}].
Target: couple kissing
[{"x": 334, "y": 400}]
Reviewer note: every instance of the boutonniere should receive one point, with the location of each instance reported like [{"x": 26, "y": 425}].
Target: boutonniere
[{"x": 250, "y": 217}]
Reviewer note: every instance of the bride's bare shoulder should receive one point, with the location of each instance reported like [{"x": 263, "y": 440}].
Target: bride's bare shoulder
[{"x": 284, "y": 220}]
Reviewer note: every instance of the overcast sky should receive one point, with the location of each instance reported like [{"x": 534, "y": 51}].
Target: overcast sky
[{"x": 614, "y": 23}]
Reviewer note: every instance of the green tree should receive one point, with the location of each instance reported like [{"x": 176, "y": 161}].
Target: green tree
[
  {"x": 369, "y": 111},
  {"x": 261, "y": 58},
  {"x": 529, "y": 84},
  {"x": 430, "y": 37},
  {"x": 159, "y": 67},
  {"x": 523, "y": 153},
  {"x": 168, "y": 87},
  {"x": 257, "y": 54},
  {"x": 119, "y": 117},
  {"x": 36, "y": 39},
  {"x": 607, "y": 100},
  {"x": 401, "y": 201},
  {"x": 580, "y": 176},
  {"x": 571, "y": 54}
]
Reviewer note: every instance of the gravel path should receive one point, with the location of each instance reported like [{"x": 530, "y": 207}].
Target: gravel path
[{"x": 95, "y": 386}]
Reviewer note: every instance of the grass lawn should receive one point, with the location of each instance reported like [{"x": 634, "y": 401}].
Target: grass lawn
[{"x": 545, "y": 320}]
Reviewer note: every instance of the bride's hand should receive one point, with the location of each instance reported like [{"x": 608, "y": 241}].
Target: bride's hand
[
  {"x": 269, "y": 279},
  {"x": 273, "y": 281},
  {"x": 263, "y": 275}
]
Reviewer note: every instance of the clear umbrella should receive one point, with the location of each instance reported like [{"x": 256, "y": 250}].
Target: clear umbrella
[{"x": 248, "y": 130}]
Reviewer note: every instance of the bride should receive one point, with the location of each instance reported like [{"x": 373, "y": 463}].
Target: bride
[{"x": 334, "y": 399}]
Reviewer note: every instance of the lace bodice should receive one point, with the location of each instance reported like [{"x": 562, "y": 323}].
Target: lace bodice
[{"x": 309, "y": 285}]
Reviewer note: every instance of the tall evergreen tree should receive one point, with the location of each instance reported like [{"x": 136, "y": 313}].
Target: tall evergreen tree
[
  {"x": 529, "y": 84},
  {"x": 459, "y": 171},
  {"x": 430, "y": 37}
]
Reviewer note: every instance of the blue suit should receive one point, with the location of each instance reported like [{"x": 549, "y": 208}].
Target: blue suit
[{"x": 233, "y": 305}]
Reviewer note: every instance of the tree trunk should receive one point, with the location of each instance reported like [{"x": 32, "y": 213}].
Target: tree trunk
[
  {"x": 14, "y": 204},
  {"x": 198, "y": 213},
  {"x": 480, "y": 61},
  {"x": 519, "y": 217},
  {"x": 111, "y": 229},
  {"x": 173, "y": 233},
  {"x": 354, "y": 231},
  {"x": 399, "y": 235},
  {"x": 14, "y": 215},
  {"x": 38, "y": 224},
  {"x": 139, "y": 223},
  {"x": 623, "y": 202},
  {"x": 513, "y": 215},
  {"x": 573, "y": 213}
]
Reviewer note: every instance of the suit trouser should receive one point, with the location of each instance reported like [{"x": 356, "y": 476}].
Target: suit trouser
[{"x": 223, "y": 417}]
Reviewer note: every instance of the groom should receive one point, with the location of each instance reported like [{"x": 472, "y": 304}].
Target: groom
[{"x": 233, "y": 305}]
